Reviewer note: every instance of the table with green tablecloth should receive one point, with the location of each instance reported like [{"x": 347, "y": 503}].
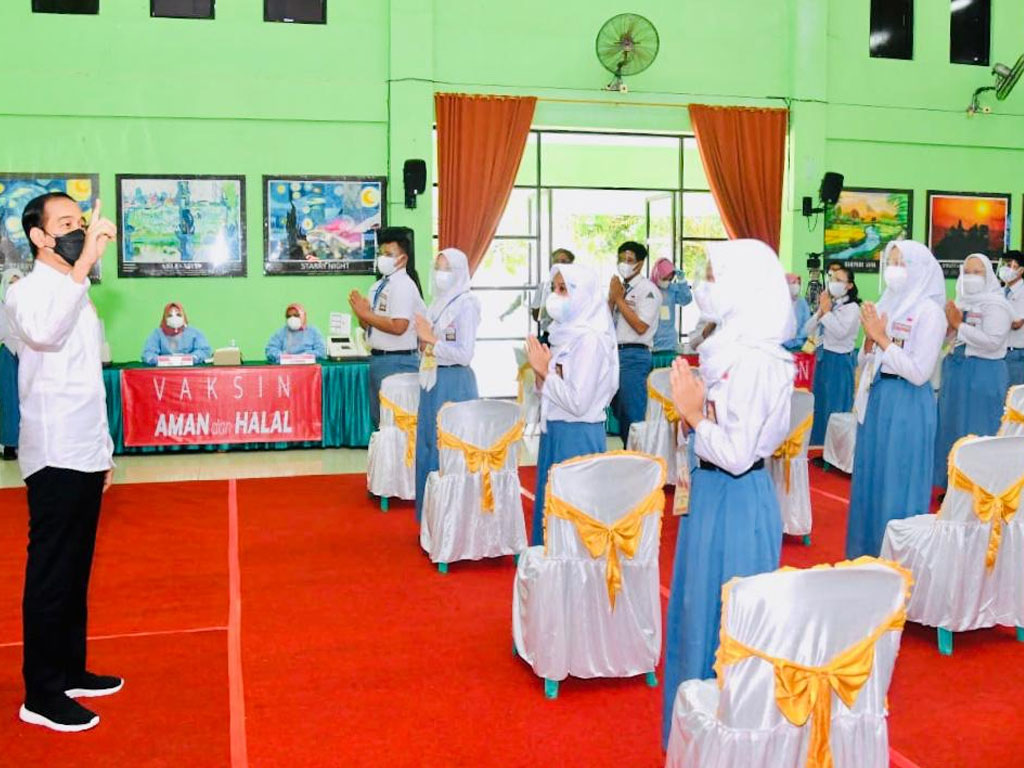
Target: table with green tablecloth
[{"x": 345, "y": 404}]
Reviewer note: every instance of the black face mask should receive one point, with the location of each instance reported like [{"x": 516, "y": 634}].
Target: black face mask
[{"x": 69, "y": 247}]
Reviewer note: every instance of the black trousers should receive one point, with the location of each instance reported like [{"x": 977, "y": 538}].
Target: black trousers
[{"x": 63, "y": 510}]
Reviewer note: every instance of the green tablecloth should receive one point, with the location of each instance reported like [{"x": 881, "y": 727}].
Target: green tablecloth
[{"x": 345, "y": 403}]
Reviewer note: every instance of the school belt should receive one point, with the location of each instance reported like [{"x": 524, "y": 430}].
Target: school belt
[
  {"x": 759, "y": 464},
  {"x": 376, "y": 352},
  {"x": 890, "y": 376},
  {"x": 1015, "y": 349},
  {"x": 633, "y": 346}
]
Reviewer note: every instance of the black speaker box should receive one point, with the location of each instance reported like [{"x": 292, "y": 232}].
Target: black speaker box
[
  {"x": 831, "y": 186},
  {"x": 414, "y": 175},
  {"x": 300, "y": 11},
  {"x": 66, "y": 6}
]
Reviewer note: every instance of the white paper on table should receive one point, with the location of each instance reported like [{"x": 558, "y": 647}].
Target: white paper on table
[
  {"x": 304, "y": 359},
  {"x": 174, "y": 361}
]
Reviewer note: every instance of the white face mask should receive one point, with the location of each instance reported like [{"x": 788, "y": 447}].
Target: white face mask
[
  {"x": 626, "y": 270},
  {"x": 386, "y": 265},
  {"x": 973, "y": 284},
  {"x": 295, "y": 323},
  {"x": 794, "y": 290},
  {"x": 1008, "y": 274},
  {"x": 664, "y": 283},
  {"x": 443, "y": 280},
  {"x": 557, "y": 307},
  {"x": 704, "y": 295},
  {"x": 896, "y": 277},
  {"x": 175, "y": 321},
  {"x": 837, "y": 289}
]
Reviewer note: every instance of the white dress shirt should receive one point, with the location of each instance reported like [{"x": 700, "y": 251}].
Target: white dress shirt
[
  {"x": 917, "y": 340},
  {"x": 644, "y": 298},
  {"x": 840, "y": 327},
  {"x": 581, "y": 381},
  {"x": 984, "y": 331},
  {"x": 456, "y": 332},
  {"x": 748, "y": 413},
  {"x": 1016, "y": 299},
  {"x": 396, "y": 297},
  {"x": 60, "y": 375}
]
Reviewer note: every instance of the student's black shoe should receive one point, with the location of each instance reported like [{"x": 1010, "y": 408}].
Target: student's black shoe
[
  {"x": 89, "y": 686},
  {"x": 10, "y": 453},
  {"x": 58, "y": 713}
]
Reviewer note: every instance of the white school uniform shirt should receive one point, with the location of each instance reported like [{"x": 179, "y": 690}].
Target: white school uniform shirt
[
  {"x": 748, "y": 413},
  {"x": 1016, "y": 299},
  {"x": 644, "y": 298},
  {"x": 581, "y": 381},
  {"x": 395, "y": 296},
  {"x": 456, "y": 331},
  {"x": 984, "y": 331},
  {"x": 60, "y": 374},
  {"x": 840, "y": 327},
  {"x": 917, "y": 340}
]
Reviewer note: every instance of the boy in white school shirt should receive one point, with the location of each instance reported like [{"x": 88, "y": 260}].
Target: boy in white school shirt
[
  {"x": 1012, "y": 275},
  {"x": 66, "y": 456}
]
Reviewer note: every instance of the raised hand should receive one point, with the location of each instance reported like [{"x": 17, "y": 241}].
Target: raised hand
[
  {"x": 98, "y": 234},
  {"x": 954, "y": 316},
  {"x": 539, "y": 357},
  {"x": 687, "y": 392},
  {"x": 615, "y": 290},
  {"x": 424, "y": 330},
  {"x": 875, "y": 326},
  {"x": 825, "y": 302}
]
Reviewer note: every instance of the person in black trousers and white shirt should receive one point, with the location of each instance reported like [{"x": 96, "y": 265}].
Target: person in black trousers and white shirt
[{"x": 65, "y": 453}]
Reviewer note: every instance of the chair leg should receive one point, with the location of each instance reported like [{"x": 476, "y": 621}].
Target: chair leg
[
  {"x": 652, "y": 680},
  {"x": 516, "y": 558},
  {"x": 945, "y": 642},
  {"x": 383, "y": 503},
  {"x": 550, "y": 689},
  {"x": 807, "y": 540},
  {"x": 1020, "y": 634},
  {"x": 515, "y": 651},
  {"x": 442, "y": 567}
]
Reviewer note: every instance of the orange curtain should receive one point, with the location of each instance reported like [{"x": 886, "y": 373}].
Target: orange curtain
[
  {"x": 744, "y": 154},
  {"x": 480, "y": 142}
]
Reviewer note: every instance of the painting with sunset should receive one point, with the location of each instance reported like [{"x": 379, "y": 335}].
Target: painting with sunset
[
  {"x": 962, "y": 223},
  {"x": 17, "y": 189},
  {"x": 863, "y": 222}
]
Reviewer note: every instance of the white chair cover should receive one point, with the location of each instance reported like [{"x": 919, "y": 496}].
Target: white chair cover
[
  {"x": 527, "y": 397},
  {"x": 807, "y": 617},
  {"x": 840, "y": 441},
  {"x": 795, "y": 495},
  {"x": 562, "y": 619},
  {"x": 1013, "y": 414},
  {"x": 656, "y": 435},
  {"x": 455, "y": 525},
  {"x": 955, "y": 587},
  {"x": 388, "y": 473}
]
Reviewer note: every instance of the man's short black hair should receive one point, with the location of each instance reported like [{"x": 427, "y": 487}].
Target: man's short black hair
[
  {"x": 638, "y": 250},
  {"x": 34, "y": 214},
  {"x": 1016, "y": 256},
  {"x": 400, "y": 236}
]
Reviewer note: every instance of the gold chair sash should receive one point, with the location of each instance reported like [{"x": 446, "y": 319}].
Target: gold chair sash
[
  {"x": 521, "y": 378},
  {"x": 989, "y": 507},
  {"x": 804, "y": 693},
  {"x": 671, "y": 414},
  {"x": 1011, "y": 415},
  {"x": 482, "y": 460},
  {"x": 790, "y": 448},
  {"x": 622, "y": 536},
  {"x": 405, "y": 421}
]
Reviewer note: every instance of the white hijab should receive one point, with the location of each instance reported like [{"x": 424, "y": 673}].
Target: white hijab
[
  {"x": 991, "y": 295},
  {"x": 752, "y": 298},
  {"x": 925, "y": 281},
  {"x": 588, "y": 309},
  {"x": 447, "y": 304}
]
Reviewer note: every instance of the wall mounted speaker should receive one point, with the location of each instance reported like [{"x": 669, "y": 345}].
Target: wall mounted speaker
[
  {"x": 831, "y": 186},
  {"x": 298, "y": 11},
  {"x": 66, "y": 6},
  {"x": 181, "y": 9},
  {"x": 414, "y": 175}
]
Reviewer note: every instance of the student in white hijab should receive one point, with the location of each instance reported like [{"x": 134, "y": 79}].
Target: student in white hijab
[
  {"x": 739, "y": 410},
  {"x": 447, "y": 338},
  {"x": 577, "y": 380},
  {"x": 895, "y": 405},
  {"x": 10, "y": 412},
  {"x": 974, "y": 376}
]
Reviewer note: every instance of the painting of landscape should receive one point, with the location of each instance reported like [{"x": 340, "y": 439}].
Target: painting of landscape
[
  {"x": 962, "y": 223},
  {"x": 863, "y": 222}
]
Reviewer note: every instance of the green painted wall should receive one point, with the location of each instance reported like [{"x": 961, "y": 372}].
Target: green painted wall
[{"x": 122, "y": 92}]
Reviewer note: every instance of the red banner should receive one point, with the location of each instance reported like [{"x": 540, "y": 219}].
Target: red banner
[
  {"x": 201, "y": 406},
  {"x": 804, "y": 370}
]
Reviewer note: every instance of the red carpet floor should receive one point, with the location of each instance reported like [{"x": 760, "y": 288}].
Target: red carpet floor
[{"x": 356, "y": 652}]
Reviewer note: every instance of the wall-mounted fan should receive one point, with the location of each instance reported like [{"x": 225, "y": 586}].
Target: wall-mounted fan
[
  {"x": 627, "y": 44},
  {"x": 1006, "y": 78}
]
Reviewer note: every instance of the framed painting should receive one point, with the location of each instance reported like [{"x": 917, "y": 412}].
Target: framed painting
[
  {"x": 962, "y": 223},
  {"x": 863, "y": 222}
]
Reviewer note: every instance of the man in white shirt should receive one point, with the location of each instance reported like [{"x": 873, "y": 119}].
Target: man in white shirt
[
  {"x": 1012, "y": 275},
  {"x": 387, "y": 315},
  {"x": 635, "y": 303},
  {"x": 65, "y": 452}
]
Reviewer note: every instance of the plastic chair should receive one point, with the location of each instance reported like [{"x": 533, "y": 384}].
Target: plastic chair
[
  {"x": 1013, "y": 414},
  {"x": 656, "y": 434},
  {"x": 788, "y": 467},
  {"x": 391, "y": 459}
]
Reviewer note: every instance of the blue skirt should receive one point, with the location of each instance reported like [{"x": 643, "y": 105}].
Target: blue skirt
[
  {"x": 10, "y": 411},
  {"x": 892, "y": 463},
  {"x": 630, "y": 402},
  {"x": 970, "y": 403},
  {"x": 833, "y": 390},
  {"x": 1015, "y": 366},
  {"x": 563, "y": 440},
  {"x": 455, "y": 384},
  {"x": 382, "y": 366},
  {"x": 734, "y": 528}
]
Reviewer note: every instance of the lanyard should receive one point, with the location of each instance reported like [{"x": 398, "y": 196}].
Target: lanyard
[
  {"x": 376, "y": 294},
  {"x": 450, "y": 301}
]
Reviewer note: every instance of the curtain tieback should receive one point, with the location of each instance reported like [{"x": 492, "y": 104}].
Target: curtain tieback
[
  {"x": 671, "y": 414},
  {"x": 790, "y": 448},
  {"x": 608, "y": 541},
  {"x": 405, "y": 421},
  {"x": 482, "y": 460}
]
